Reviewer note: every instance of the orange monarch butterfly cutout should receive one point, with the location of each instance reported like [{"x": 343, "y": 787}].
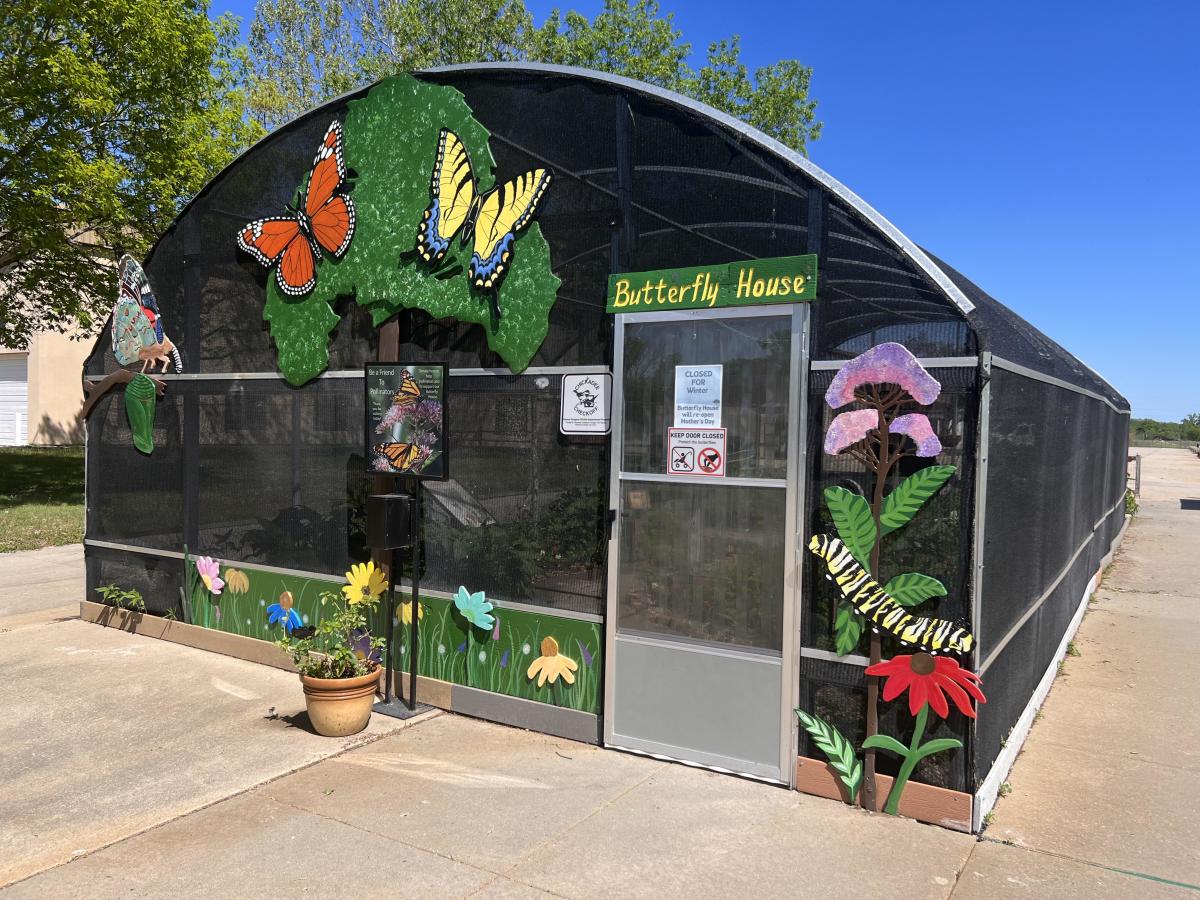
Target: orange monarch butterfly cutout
[{"x": 323, "y": 221}]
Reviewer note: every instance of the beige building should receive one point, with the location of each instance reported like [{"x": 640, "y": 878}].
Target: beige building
[{"x": 40, "y": 391}]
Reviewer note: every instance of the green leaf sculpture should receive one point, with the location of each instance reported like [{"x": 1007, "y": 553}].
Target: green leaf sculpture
[
  {"x": 912, "y": 588},
  {"x": 910, "y": 495},
  {"x": 847, "y": 628},
  {"x": 837, "y": 749},
  {"x": 391, "y": 139},
  {"x": 855, "y": 524}
]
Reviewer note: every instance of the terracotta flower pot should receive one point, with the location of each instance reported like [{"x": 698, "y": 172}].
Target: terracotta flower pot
[{"x": 340, "y": 706}]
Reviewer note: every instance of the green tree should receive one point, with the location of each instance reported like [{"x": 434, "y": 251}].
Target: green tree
[
  {"x": 113, "y": 113},
  {"x": 306, "y": 51}
]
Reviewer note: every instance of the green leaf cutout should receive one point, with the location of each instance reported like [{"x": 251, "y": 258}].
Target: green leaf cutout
[
  {"x": 885, "y": 742},
  {"x": 912, "y": 588},
  {"x": 910, "y": 495},
  {"x": 847, "y": 628},
  {"x": 839, "y": 750},
  {"x": 855, "y": 524},
  {"x": 937, "y": 746}
]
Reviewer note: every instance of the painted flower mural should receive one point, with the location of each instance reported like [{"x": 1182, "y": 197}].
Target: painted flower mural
[
  {"x": 404, "y": 612},
  {"x": 364, "y": 583},
  {"x": 283, "y": 613},
  {"x": 361, "y": 647},
  {"x": 474, "y": 607},
  {"x": 209, "y": 572},
  {"x": 236, "y": 581},
  {"x": 551, "y": 664},
  {"x": 928, "y": 680}
]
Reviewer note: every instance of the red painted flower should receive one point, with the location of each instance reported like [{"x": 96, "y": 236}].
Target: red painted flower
[{"x": 928, "y": 679}]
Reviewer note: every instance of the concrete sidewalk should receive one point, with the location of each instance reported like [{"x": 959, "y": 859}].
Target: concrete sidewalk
[
  {"x": 1110, "y": 776},
  {"x": 35, "y": 581},
  {"x": 104, "y": 734}
]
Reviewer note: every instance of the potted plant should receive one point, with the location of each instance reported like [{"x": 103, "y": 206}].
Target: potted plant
[{"x": 338, "y": 660}]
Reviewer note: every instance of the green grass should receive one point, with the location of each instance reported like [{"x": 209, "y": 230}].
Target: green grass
[{"x": 41, "y": 497}]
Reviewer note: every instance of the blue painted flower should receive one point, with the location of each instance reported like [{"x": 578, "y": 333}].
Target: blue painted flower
[
  {"x": 504, "y": 660},
  {"x": 283, "y": 612},
  {"x": 475, "y": 608},
  {"x": 360, "y": 645}
]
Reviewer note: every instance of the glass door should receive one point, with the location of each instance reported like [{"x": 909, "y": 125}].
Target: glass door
[{"x": 703, "y": 587}]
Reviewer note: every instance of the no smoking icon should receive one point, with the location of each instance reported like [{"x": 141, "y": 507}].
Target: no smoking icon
[{"x": 710, "y": 459}]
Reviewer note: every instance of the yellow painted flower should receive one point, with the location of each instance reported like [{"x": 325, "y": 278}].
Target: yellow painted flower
[
  {"x": 366, "y": 583},
  {"x": 550, "y": 664},
  {"x": 236, "y": 581},
  {"x": 404, "y": 612}
]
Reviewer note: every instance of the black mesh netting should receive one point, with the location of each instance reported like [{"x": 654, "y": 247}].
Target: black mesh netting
[
  {"x": 1054, "y": 505},
  {"x": 277, "y": 476}
]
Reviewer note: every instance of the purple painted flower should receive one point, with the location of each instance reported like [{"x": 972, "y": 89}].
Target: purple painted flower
[
  {"x": 504, "y": 660},
  {"x": 381, "y": 464},
  {"x": 583, "y": 651},
  {"x": 360, "y": 645},
  {"x": 461, "y": 647},
  {"x": 496, "y": 629},
  {"x": 917, "y": 427},
  {"x": 888, "y": 363},
  {"x": 848, "y": 428}
]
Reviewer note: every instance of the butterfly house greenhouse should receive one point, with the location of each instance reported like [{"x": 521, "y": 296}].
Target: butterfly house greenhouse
[{"x": 748, "y": 479}]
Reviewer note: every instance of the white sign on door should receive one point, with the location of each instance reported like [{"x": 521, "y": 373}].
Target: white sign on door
[
  {"x": 698, "y": 396},
  {"x": 586, "y": 406},
  {"x": 696, "y": 451}
]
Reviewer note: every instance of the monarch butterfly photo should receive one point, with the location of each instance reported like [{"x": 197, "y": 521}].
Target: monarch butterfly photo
[
  {"x": 401, "y": 456},
  {"x": 493, "y": 218},
  {"x": 322, "y": 220},
  {"x": 405, "y": 419},
  {"x": 403, "y": 400}
]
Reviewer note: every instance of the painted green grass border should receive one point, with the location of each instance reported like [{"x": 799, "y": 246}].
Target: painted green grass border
[{"x": 449, "y": 649}]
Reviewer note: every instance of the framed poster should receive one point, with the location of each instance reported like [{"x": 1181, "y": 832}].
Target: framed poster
[{"x": 406, "y": 412}]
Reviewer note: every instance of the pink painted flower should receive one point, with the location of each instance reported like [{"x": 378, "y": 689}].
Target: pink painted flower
[
  {"x": 209, "y": 572},
  {"x": 849, "y": 428},
  {"x": 888, "y": 363},
  {"x": 917, "y": 427}
]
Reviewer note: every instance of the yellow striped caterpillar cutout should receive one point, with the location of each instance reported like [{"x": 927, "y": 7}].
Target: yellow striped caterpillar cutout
[{"x": 881, "y": 609}]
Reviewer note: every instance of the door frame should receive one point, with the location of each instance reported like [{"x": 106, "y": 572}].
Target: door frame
[{"x": 794, "y": 505}]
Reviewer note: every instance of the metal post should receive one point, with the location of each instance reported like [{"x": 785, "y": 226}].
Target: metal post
[
  {"x": 391, "y": 629},
  {"x": 415, "y": 599},
  {"x": 1137, "y": 475}
]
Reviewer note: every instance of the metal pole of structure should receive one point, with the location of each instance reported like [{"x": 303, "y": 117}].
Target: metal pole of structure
[
  {"x": 1137, "y": 475},
  {"x": 415, "y": 599},
  {"x": 391, "y": 629}
]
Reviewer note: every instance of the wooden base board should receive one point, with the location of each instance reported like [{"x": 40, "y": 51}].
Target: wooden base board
[
  {"x": 923, "y": 802},
  {"x": 250, "y": 649}
]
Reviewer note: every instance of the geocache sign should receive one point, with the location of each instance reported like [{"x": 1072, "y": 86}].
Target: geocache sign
[{"x": 696, "y": 451}]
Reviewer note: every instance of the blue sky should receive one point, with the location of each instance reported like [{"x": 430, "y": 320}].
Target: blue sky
[{"x": 1046, "y": 150}]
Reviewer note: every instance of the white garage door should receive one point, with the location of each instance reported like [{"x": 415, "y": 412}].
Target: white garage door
[{"x": 14, "y": 395}]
